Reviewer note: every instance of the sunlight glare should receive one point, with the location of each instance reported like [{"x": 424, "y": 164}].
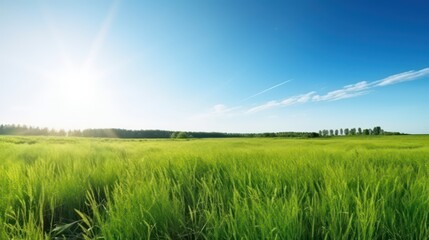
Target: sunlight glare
[
  {"x": 75, "y": 99},
  {"x": 76, "y": 90}
]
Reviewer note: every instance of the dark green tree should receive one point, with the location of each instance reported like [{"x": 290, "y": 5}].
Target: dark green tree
[
  {"x": 182, "y": 135},
  {"x": 376, "y": 130}
]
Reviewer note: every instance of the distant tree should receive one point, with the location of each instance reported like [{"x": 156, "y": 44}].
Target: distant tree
[
  {"x": 331, "y": 132},
  {"x": 341, "y": 131},
  {"x": 376, "y": 130},
  {"x": 346, "y": 131},
  {"x": 393, "y": 133},
  {"x": 174, "y": 135},
  {"x": 267, "y": 134},
  {"x": 353, "y": 131},
  {"x": 77, "y": 133},
  {"x": 366, "y": 132},
  {"x": 336, "y": 132},
  {"x": 360, "y": 131},
  {"x": 182, "y": 135},
  {"x": 45, "y": 131},
  {"x": 61, "y": 132},
  {"x": 320, "y": 132},
  {"x": 312, "y": 135}
]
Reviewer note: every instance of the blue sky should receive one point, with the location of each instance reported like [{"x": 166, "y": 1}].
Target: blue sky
[{"x": 234, "y": 66}]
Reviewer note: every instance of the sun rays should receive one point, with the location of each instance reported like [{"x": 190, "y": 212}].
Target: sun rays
[{"x": 74, "y": 96}]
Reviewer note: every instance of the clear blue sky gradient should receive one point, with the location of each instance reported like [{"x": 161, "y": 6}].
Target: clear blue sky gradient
[{"x": 230, "y": 66}]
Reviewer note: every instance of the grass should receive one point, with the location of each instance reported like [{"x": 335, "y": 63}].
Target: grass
[{"x": 335, "y": 188}]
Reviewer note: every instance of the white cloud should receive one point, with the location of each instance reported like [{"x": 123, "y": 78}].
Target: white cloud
[
  {"x": 303, "y": 98},
  {"x": 402, "y": 77},
  {"x": 218, "y": 110},
  {"x": 348, "y": 91},
  {"x": 221, "y": 109},
  {"x": 265, "y": 106}
]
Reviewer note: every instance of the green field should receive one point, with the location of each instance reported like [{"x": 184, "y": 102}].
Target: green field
[{"x": 327, "y": 188}]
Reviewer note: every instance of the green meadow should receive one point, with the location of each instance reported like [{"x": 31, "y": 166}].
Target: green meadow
[{"x": 374, "y": 187}]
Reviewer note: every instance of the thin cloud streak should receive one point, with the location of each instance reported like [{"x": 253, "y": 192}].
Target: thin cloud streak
[
  {"x": 303, "y": 98},
  {"x": 266, "y": 90},
  {"x": 268, "y": 105},
  {"x": 402, "y": 77},
  {"x": 218, "y": 110},
  {"x": 348, "y": 91}
]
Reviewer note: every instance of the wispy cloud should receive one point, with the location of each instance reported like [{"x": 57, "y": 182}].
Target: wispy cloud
[
  {"x": 268, "y": 105},
  {"x": 266, "y": 90},
  {"x": 218, "y": 110},
  {"x": 303, "y": 98},
  {"x": 402, "y": 77},
  {"x": 348, "y": 91}
]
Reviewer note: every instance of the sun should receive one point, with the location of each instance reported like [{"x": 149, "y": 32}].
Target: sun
[
  {"x": 76, "y": 90},
  {"x": 74, "y": 94},
  {"x": 74, "y": 98}
]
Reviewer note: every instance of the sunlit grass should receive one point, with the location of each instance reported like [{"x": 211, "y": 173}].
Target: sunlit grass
[{"x": 338, "y": 188}]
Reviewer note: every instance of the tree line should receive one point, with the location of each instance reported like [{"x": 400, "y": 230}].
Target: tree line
[
  {"x": 353, "y": 131},
  {"x": 247, "y": 135},
  {"x": 23, "y": 130}
]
